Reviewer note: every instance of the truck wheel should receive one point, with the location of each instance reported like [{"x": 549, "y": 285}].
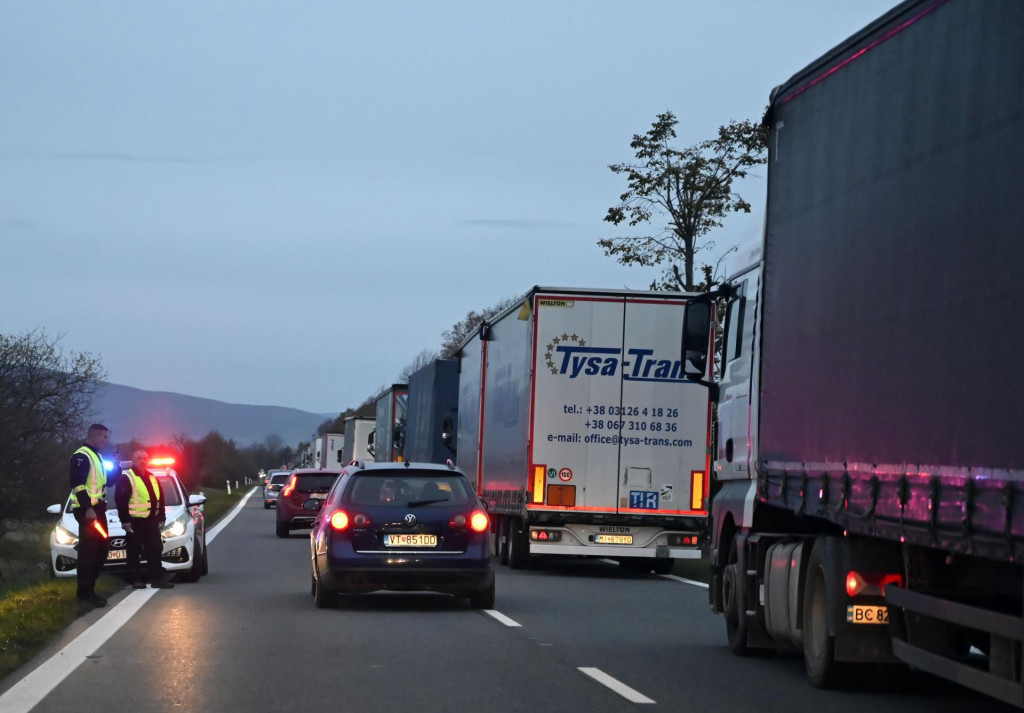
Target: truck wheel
[
  {"x": 503, "y": 537},
  {"x": 733, "y": 598},
  {"x": 819, "y": 646},
  {"x": 518, "y": 544}
]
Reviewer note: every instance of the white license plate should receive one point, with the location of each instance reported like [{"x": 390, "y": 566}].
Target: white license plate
[
  {"x": 117, "y": 554},
  {"x": 861, "y": 614},
  {"x": 410, "y": 540},
  {"x": 318, "y": 496},
  {"x": 614, "y": 539}
]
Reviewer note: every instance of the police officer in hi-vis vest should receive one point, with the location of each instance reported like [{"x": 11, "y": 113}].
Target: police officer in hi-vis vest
[
  {"x": 140, "y": 505},
  {"x": 88, "y": 504}
]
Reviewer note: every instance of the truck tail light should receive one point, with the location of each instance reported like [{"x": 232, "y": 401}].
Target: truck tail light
[
  {"x": 697, "y": 490},
  {"x": 870, "y": 583},
  {"x": 538, "y": 483}
]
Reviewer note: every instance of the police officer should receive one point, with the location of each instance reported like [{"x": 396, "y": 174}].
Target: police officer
[
  {"x": 88, "y": 504},
  {"x": 140, "y": 505}
]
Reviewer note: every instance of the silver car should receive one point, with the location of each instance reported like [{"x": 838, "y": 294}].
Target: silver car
[{"x": 276, "y": 480}]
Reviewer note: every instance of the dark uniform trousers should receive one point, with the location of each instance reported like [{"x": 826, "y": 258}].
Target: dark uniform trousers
[
  {"x": 92, "y": 548},
  {"x": 145, "y": 539}
]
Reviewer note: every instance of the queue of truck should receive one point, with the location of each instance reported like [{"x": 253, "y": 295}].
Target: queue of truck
[{"x": 861, "y": 500}]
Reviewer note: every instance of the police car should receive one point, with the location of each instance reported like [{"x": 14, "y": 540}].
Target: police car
[{"x": 183, "y": 534}]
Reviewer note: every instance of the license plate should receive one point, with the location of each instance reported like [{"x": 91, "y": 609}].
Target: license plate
[
  {"x": 410, "y": 540},
  {"x": 318, "y": 496},
  {"x": 861, "y": 614},
  {"x": 117, "y": 554},
  {"x": 614, "y": 539}
]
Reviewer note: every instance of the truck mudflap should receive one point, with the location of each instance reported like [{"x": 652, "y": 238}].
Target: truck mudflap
[
  {"x": 1000, "y": 674},
  {"x": 614, "y": 541}
]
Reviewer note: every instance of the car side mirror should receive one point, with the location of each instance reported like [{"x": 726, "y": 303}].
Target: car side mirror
[
  {"x": 196, "y": 499},
  {"x": 54, "y": 509},
  {"x": 696, "y": 338}
]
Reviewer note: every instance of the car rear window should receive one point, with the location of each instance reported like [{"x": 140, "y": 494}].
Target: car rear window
[
  {"x": 281, "y": 478},
  {"x": 314, "y": 483},
  {"x": 410, "y": 489}
]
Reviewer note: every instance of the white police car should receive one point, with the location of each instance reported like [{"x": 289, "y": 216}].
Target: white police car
[{"x": 184, "y": 531}]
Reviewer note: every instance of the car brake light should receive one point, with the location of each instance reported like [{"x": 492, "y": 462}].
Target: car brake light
[
  {"x": 479, "y": 522},
  {"x": 870, "y": 583},
  {"x": 339, "y": 520},
  {"x": 160, "y": 462},
  {"x": 290, "y": 488}
]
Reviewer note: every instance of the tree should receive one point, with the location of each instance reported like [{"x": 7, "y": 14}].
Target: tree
[
  {"x": 45, "y": 401},
  {"x": 427, "y": 356},
  {"x": 464, "y": 329},
  {"x": 693, "y": 187}
]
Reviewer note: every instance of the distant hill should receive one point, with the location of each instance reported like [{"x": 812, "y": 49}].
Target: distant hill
[{"x": 158, "y": 416}]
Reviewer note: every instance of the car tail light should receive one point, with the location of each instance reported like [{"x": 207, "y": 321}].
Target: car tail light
[
  {"x": 870, "y": 583},
  {"x": 339, "y": 520},
  {"x": 290, "y": 488},
  {"x": 479, "y": 522}
]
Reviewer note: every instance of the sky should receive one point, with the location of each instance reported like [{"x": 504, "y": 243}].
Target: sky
[{"x": 283, "y": 203}]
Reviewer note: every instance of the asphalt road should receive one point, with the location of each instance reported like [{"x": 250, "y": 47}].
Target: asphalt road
[{"x": 248, "y": 638}]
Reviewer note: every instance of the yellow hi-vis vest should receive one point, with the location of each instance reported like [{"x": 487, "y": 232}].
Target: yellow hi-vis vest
[
  {"x": 96, "y": 480},
  {"x": 139, "y": 505}
]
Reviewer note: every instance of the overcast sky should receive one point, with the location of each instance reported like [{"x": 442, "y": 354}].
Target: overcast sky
[{"x": 283, "y": 203}]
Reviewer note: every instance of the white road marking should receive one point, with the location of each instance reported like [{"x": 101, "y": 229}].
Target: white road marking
[
  {"x": 501, "y": 617},
  {"x": 622, "y": 689},
  {"x": 694, "y": 582},
  {"x": 34, "y": 687}
]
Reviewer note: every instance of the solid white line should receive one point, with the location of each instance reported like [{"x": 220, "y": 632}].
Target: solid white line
[
  {"x": 214, "y": 531},
  {"x": 29, "y": 691},
  {"x": 501, "y": 617},
  {"x": 622, "y": 689},
  {"x": 694, "y": 582}
]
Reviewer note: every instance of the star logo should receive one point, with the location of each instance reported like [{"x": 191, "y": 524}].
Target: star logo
[{"x": 549, "y": 354}]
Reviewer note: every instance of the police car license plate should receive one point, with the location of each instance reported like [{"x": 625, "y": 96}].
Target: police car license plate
[
  {"x": 117, "y": 555},
  {"x": 410, "y": 540},
  {"x": 861, "y": 614},
  {"x": 614, "y": 539}
]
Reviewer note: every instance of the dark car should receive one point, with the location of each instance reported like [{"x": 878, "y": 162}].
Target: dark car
[
  {"x": 301, "y": 498},
  {"x": 405, "y": 527}
]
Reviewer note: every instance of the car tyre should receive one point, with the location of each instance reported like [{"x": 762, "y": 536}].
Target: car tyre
[
  {"x": 206, "y": 558},
  {"x": 266, "y": 506},
  {"x": 282, "y": 529},
  {"x": 193, "y": 573},
  {"x": 484, "y": 599},
  {"x": 322, "y": 598}
]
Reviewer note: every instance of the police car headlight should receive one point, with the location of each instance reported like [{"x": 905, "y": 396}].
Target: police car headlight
[
  {"x": 64, "y": 536},
  {"x": 176, "y": 527}
]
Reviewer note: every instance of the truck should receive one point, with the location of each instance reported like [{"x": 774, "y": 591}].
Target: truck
[
  {"x": 430, "y": 431},
  {"x": 868, "y": 504},
  {"x": 328, "y": 451},
  {"x": 357, "y": 439},
  {"x": 580, "y": 431},
  {"x": 389, "y": 431}
]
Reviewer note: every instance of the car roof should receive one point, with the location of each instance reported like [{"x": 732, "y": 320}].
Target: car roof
[
  {"x": 408, "y": 467},
  {"x": 315, "y": 471}
]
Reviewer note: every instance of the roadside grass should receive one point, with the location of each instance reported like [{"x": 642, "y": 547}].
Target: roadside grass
[{"x": 34, "y": 608}]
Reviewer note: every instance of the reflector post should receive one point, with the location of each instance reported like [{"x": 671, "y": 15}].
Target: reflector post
[
  {"x": 697, "y": 490},
  {"x": 538, "y": 483}
]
